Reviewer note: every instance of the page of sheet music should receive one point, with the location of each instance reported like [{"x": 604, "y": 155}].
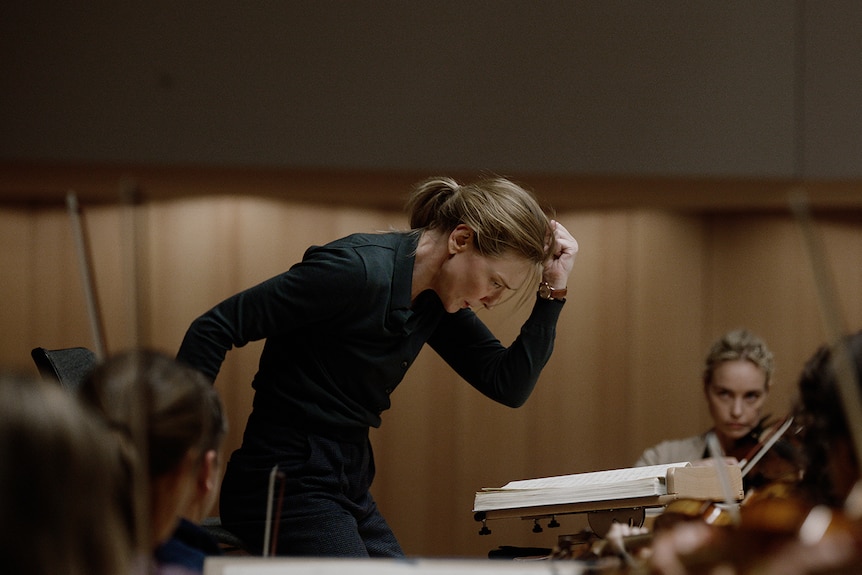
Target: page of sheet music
[{"x": 594, "y": 477}]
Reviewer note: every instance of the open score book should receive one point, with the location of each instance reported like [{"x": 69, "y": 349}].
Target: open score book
[{"x": 653, "y": 482}]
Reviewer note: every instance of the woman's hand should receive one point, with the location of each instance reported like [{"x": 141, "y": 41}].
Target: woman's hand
[{"x": 558, "y": 265}]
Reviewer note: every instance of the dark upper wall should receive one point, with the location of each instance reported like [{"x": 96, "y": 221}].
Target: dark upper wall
[{"x": 732, "y": 88}]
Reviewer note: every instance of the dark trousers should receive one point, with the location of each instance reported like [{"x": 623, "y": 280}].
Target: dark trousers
[{"x": 327, "y": 508}]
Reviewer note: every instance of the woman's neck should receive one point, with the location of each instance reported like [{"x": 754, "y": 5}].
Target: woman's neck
[{"x": 431, "y": 252}]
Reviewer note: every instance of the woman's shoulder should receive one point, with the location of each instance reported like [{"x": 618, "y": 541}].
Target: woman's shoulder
[
  {"x": 382, "y": 241},
  {"x": 370, "y": 250},
  {"x": 364, "y": 261},
  {"x": 674, "y": 451},
  {"x": 685, "y": 445}
]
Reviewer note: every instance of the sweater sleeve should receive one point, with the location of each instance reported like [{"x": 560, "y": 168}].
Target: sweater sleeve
[
  {"x": 505, "y": 374},
  {"x": 310, "y": 291}
]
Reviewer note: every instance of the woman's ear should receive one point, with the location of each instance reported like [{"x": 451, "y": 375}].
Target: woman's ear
[
  {"x": 208, "y": 471},
  {"x": 460, "y": 239}
]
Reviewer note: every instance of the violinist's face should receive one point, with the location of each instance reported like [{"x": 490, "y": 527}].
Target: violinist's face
[{"x": 735, "y": 397}]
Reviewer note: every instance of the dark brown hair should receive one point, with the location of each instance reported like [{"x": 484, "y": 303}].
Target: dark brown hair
[
  {"x": 821, "y": 411},
  {"x": 63, "y": 489},
  {"x": 161, "y": 409}
]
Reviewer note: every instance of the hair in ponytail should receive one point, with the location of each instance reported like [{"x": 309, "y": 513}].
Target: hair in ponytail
[{"x": 504, "y": 217}]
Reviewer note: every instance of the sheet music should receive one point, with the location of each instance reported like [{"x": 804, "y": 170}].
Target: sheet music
[
  {"x": 626, "y": 483},
  {"x": 593, "y": 478}
]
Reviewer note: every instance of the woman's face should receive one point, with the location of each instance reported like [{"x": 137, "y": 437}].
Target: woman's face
[
  {"x": 470, "y": 280},
  {"x": 735, "y": 397}
]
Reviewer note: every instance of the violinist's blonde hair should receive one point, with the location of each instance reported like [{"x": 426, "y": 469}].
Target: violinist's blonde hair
[
  {"x": 63, "y": 490},
  {"x": 739, "y": 344},
  {"x": 504, "y": 217}
]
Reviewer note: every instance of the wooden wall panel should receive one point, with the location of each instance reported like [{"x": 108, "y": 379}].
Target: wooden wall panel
[
  {"x": 17, "y": 289},
  {"x": 110, "y": 249},
  {"x": 42, "y": 273},
  {"x": 843, "y": 243},
  {"x": 192, "y": 262},
  {"x": 665, "y": 346},
  {"x": 762, "y": 277},
  {"x": 649, "y": 292},
  {"x": 584, "y": 388},
  {"x": 59, "y": 313}
]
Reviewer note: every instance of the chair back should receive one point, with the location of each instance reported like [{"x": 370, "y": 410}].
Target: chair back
[{"x": 68, "y": 367}]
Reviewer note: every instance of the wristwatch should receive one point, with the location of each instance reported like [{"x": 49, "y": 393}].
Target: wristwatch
[{"x": 547, "y": 292}]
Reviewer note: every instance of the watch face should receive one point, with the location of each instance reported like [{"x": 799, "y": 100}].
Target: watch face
[{"x": 545, "y": 291}]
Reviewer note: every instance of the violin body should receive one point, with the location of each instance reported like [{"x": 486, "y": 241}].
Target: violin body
[
  {"x": 776, "y": 523},
  {"x": 777, "y": 460}
]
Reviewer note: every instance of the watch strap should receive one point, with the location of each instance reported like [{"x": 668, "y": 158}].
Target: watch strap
[{"x": 547, "y": 292}]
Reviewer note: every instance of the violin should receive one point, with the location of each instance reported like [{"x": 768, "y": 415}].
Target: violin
[
  {"x": 705, "y": 511},
  {"x": 769, "y": 454},
  {"x": 778, "y": 533},
  {"x": 696, "y": 535},
  {"x": 784, "y": 527}
]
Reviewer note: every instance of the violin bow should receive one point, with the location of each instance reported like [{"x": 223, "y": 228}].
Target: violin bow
[
  {"x": 748, "y": 465},
  {"x": 86, "y": 270}
]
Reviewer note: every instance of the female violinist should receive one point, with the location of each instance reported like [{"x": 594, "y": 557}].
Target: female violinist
[
  {"x": 736, "y": 380},
  {"x": 816, "y": 528}
]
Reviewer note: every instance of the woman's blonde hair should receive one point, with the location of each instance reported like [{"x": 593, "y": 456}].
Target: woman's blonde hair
[
  {"x": 735, "y": 345},
  {"x": 63, "y": 489},
  {"x": 503, "y": 216}
]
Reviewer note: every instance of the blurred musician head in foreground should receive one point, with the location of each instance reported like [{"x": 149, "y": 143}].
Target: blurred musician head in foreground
[
  {"x": 170, "y": 418},
  {"x": 736, "y": 379},
  {"x": 831, "y": 467},
  {"x": 62, "y": 485}
]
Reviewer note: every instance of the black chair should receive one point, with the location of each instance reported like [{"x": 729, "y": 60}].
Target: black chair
[{"x": 69, "y": 366}]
